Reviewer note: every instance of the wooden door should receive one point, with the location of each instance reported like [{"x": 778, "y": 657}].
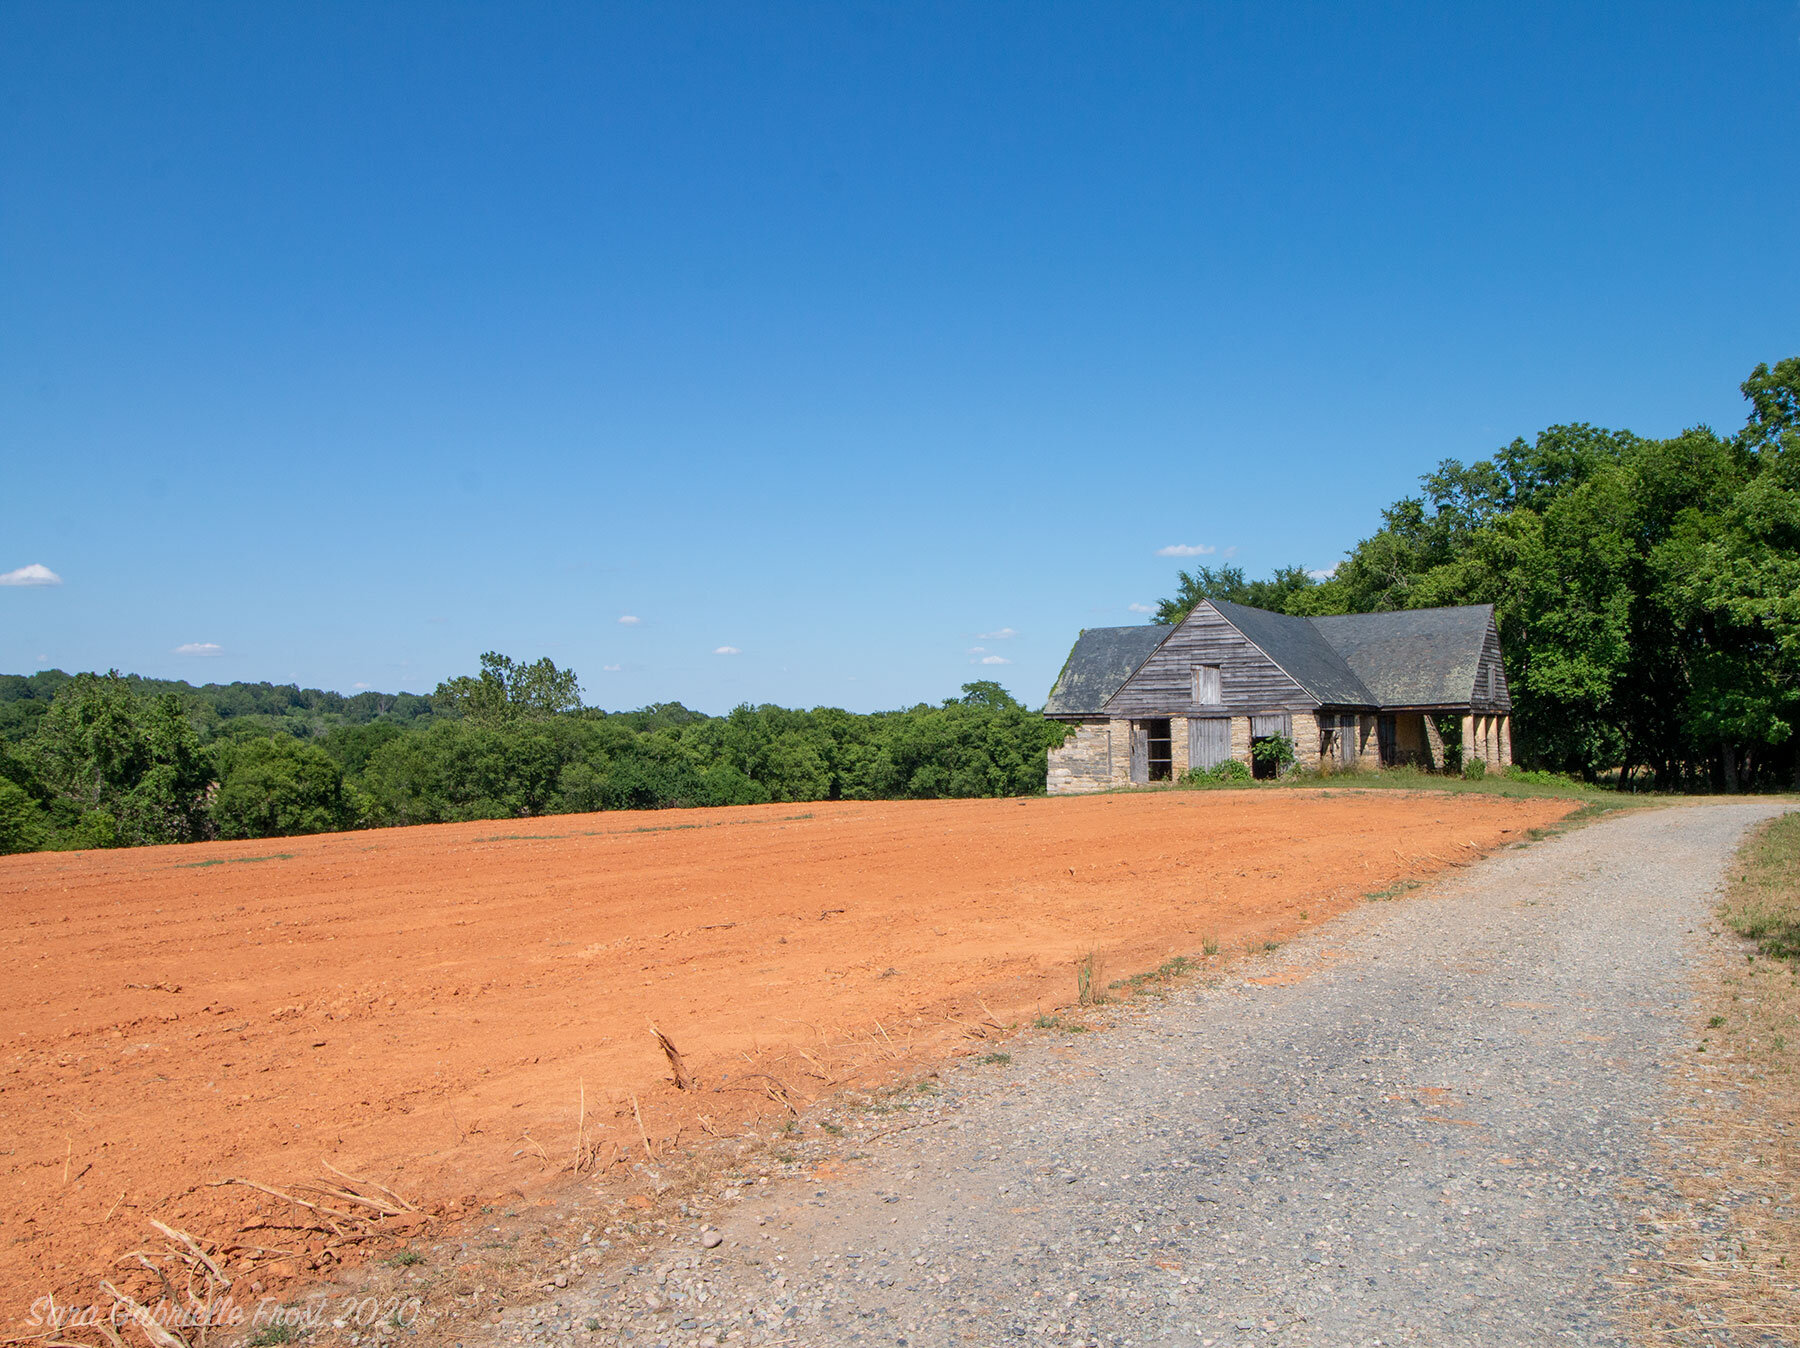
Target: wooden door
[
  {"x": 1140, "y": 752},
  {"x": 1209, "y": 742}
]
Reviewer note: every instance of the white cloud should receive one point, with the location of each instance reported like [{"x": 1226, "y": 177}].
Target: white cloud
[
  {"x": 199, "y": 648},
  {"x": 1231, "y": 551},
  {"x": 1004, "y": 634},
  {"x": 978, "y": 650},
  {"x": 611, "y": 669},
  {"x": 726, "y": 650},
  {"x": 362, "y": 686},
  {"x": 1139, "y": 608},
  {"x": 630, "y": 619},
  {"x": 1187, "y": 550},
  {"x": 994, "y": 660},
  {"x": 1326, "y": 574},
  {"x": 35, "y": 574}
]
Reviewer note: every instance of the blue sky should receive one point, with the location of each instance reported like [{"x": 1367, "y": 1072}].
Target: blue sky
[{"x": 841, "y": 347}]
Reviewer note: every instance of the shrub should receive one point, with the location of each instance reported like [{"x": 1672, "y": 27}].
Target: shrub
[
  {"x": 1474, "y": 769},
  {"x": 1220, "y": 774},
  {"x": 1275, "y": 754}
]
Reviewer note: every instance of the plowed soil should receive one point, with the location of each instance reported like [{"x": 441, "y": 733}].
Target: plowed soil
[{"x": 435, "y": 1007}]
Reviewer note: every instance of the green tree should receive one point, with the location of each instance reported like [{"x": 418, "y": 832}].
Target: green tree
[
  {"x": 120, "y": 769},
  {"x": 277, "y": 787},
  {"x": 506, "y": 690},
  {"x": 23, "y": 826},
  {"x": 1285, "y": 591}
]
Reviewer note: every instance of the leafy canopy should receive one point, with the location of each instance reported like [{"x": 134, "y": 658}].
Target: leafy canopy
[{"x": 506, "y": 690}]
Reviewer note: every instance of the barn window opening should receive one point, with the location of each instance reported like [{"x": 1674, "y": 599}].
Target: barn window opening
[
  {"x": 1490, "y": 683},
  {"x": 1161, "y": 762},
  {"x": 1268, "y": 727},
  {"x": 1207, "y": 689}
]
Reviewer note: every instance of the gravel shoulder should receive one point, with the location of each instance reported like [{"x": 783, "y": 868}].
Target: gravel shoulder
[{"x": 1431, "y": 1121}]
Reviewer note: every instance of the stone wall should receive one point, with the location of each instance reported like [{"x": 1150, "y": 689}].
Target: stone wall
[
  {"x": 1306, "y": 739},
  {"x": 1084, "y": 762},
  {"x": 1488, "y": 738}
]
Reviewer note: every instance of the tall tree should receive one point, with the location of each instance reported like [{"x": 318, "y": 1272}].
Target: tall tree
[
  {"x": 121, "y": 769},
  {"x": 506, "y": 690}
]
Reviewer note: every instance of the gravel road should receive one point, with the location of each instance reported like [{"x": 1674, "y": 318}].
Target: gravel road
[{"x": 1433, "y": 1123}]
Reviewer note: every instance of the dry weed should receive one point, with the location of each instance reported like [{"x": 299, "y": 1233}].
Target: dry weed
[{"x": 1729, "y": 1242}]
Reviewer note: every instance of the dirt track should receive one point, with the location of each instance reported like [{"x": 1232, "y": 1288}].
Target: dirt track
[{"x": 427, "y": 1005}]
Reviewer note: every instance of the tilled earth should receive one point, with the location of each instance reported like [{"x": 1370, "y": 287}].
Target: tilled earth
[{"x": 1431, "y": 1122}]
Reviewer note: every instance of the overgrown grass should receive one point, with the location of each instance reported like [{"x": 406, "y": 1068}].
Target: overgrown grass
[
  {"x": 1764, "y": 905},
  {"x": 1732, "y": 1230},
  {"x": 1518, "y": 783}
]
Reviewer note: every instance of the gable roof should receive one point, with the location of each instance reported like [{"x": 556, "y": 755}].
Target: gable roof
[
  {"x": 1425, "y": 657},
  {"x": 1103, "y": 658},
  {"x": 1304, "y": 652},
  {"x": 1418, "y": 657}
]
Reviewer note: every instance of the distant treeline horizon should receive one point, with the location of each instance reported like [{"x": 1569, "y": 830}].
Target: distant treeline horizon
[{"x": 103, "y": 760}]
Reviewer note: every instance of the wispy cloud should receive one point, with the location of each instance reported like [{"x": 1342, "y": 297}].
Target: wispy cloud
[
  {"x": 199, "y": 648},
  {"x": 1325, "y": 574},
  {"x": 992, "y": 660},
  {"x": 35, "y": 574},
  {"x": 1139, "y": 608},
  {"x": 726, "y": 650},
  {"x": 363, "y": 687},
  {"x": 629, "y": 619},
  {"x": 1004, "y": 634},
  {"x": 1187, "y": 550},
  {"x": 611, "y": 669}
]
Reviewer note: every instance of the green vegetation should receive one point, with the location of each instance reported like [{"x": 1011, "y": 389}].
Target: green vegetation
[
  {"x": 106, "y": 760},
  {"x": 1764, "y": 905},
  {"x": 1273, "y": 754},
  {"x": 1647, "y": 591},
  {"x": 1229, "y": 773}
]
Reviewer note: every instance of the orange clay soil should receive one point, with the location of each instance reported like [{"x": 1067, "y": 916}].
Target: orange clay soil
[{"x": 428, "y": 1006}]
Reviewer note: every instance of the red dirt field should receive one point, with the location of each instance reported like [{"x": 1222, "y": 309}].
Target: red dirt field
[{"x": 428, "y": 1006}]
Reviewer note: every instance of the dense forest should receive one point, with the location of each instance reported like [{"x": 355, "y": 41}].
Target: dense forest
[
  {"x": 104, "y": 760},
  {"x": 1647, "y": 591}
]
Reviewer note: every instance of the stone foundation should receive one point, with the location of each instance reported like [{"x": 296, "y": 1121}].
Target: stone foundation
[
  {"x": 1097, "y": 754},
  {"x": 1083, "y": 762}
]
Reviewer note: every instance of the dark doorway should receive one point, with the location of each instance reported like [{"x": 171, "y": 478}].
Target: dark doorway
[{"x": 1162, "y": 761}]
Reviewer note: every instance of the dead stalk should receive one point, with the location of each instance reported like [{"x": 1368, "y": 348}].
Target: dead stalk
[
  {"x": 642, "y": 1132},
  {"x": 683, "y": 1082}
]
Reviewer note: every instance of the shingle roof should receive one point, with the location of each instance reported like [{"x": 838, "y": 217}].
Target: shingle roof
[
  {"x": 1103, "y": 658},
  {"x": 1310, "y": 659},
  {"x": 1419, "y": 657}
]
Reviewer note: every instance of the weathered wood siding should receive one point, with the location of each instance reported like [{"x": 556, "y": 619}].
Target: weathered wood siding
[
  {"x": 1209, "y": 741},
  {"x": 1490, "y": 662},
  {"x": 1249, "y": 680}
]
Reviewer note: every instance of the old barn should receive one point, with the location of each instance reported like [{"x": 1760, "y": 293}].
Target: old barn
[{"x": 1356, "y": 690}]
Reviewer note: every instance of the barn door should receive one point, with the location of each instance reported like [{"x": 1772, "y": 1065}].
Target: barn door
[
  {"x": 1140, "y": 752},
  {"x": 1209, "y": 742}
]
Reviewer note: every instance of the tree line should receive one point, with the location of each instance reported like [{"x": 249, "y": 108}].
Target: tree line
[
  {"x": 1647, "y": 591},
  {"x": 106, "y": 760}
]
